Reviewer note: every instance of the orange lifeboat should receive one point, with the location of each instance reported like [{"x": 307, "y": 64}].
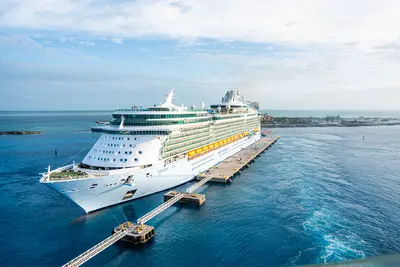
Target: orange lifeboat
[
  {"x": 205, "y": 148},
  {"x": 199, "y": 150},
  {"x": 211, "y": 146},
  {"x": 220, "y": 143},
  {"x": 191, "y": 153}
]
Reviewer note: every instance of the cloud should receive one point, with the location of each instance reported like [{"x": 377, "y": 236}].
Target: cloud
[
  {"x": 306, "y": 22},
  {"x": 321, "y": 54},
  {"x": 316, "y": 77},
  {"x": 117, "y": 40},
  {"x": 86, "y": 43},
  {"x": 20, "y": 41}
]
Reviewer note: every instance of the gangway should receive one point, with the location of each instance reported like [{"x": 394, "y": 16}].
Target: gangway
[
  {"x": 148, "y": 216},
  {"x": 198, "y": 184},
  {"x": 90, "y": 253}
]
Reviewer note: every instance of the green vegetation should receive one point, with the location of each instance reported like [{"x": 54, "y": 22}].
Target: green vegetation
[
  {"x": 20, "y": 132},
  {"x": 66, "y": 174}
]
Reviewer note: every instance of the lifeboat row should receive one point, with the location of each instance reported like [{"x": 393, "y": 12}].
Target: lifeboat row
[{"x": 216, "y": 145}]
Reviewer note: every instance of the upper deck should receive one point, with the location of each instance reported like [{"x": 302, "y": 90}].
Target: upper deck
[{"x": 166, "y": 117}]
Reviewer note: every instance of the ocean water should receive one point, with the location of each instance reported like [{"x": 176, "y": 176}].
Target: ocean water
[{"x": 318, "y": 195}]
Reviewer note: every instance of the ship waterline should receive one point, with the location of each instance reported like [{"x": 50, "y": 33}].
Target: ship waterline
[{"x": 142, "y": 152}]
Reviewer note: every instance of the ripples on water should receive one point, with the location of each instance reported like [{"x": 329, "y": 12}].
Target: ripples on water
[{"x": 319, "y": 195}]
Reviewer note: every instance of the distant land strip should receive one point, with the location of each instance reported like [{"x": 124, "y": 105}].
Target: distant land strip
[
  {"x": 20, "y": 132},
  {"x": 294, "y": 125}
]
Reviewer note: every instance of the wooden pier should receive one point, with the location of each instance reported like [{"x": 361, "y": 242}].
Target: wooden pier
[{"x": 222, "y": 173}]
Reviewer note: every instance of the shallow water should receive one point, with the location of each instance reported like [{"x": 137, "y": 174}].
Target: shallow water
[{"x": 318, "y": 195}]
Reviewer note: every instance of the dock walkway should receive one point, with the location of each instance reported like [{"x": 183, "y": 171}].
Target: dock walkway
[
  {"x": 159, "y": 209},
  {"x": 90, "y": 253},
  {"x": 222, "y": 172},
  {"x": 234, "y": 164}
]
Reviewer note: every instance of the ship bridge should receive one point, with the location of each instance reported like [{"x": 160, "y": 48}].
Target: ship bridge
[{"x": 231, "y": 102}]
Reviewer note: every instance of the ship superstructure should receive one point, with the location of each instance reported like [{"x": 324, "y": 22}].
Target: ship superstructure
[{"x": 144, "y": 151}]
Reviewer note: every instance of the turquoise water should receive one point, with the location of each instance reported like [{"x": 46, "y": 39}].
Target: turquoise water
[{"x": 318, "y": 195}]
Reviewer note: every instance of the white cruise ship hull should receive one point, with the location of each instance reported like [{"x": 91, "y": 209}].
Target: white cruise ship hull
[{"x": 96, "y": 193}]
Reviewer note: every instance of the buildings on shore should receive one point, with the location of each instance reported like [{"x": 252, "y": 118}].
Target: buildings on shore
[{"x": 328, "y": 121}]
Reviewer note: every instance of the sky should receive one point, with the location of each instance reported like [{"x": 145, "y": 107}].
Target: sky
[{"x": 286, "y": 54}]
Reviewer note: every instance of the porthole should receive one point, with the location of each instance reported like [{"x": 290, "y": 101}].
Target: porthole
[
  {"x": 140, "y": 152},
  {"x": 136, "y": 159}
]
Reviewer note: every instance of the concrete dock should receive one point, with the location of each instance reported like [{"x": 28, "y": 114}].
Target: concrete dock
[
  {"x": 197, "y": 199},
  {"x": 227, "y": 169},
  {"x": 141, "y": 233}
]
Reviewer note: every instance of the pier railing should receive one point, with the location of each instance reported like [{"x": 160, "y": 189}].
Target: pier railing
[
  {"x": 90, "y": 253},
  {"x": 148, "y": 216}
]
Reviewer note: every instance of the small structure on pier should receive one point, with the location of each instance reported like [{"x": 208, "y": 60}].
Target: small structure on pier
[
  {"x": 135, "y": 233},
  {"x": 197, "y": 199}
]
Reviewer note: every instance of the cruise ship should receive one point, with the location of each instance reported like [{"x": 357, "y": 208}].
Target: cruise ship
[{"x": 144, "y": 151}]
